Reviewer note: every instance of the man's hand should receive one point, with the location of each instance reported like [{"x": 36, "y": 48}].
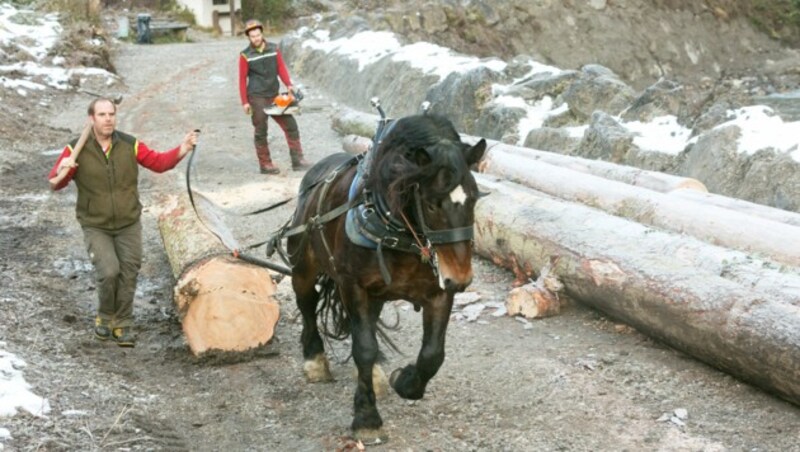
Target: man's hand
[
  {"x": 189, "y": 142},
  {"x": 66, "y": 164},
  {"x": 247, "y": 109}
]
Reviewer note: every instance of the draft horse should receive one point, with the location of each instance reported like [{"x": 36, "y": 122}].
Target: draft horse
[{"x": 397, "y": 224}]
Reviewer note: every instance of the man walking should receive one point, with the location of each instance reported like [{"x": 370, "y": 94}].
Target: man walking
[
  {"x": 260, "y": 67},
  {"x": 106, "y": 174}
]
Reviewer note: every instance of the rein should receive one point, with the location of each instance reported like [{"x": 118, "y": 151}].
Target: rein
[{"x": 235, "y": 252}]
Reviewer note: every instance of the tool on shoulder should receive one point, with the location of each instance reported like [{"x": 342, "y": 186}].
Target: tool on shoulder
[{"x": 87, "y": 130}]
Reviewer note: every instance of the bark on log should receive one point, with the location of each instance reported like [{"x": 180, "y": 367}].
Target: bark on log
[
  {"x": 739, "y": 205},
  {"x": 355, "y": 144},
  {"x": 652, "y": 180},
  {"x": 718, "y": 305},
  {"x": 224, "y": 304},
  {"x": 716, "y": 225},
  {"x": 352, "y": 122}
]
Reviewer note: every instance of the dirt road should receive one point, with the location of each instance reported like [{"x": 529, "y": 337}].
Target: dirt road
[{"x": 573, "y": 382}]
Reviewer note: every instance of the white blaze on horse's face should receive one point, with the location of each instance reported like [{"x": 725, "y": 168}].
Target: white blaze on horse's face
[{"x": 458, "y": 195}]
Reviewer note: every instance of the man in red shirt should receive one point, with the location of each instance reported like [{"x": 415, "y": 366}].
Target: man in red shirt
[
  {"x": 260, "y": 67},
  {"x": 106, "y": 173}
]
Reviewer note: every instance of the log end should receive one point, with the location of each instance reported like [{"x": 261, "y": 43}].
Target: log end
[
  {"x": 532, "y": 302},
  {"x": 226, "y": 305}
]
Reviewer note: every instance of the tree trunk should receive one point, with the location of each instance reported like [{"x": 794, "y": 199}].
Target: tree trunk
[
  {"x": 652, "y": 180},
  {"x": 735, "y": 313},
  {"x": 739, "y": 205},
  {"x": 716, "y": 225},
  {"x": 355, "y": 144},
  {"x": 224, "y": 303}
]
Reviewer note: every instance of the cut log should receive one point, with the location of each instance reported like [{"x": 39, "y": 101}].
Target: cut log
[
  {"x": 652, "y": 180},
  {"x": 739, "y": 205},
  {"x": 716, "y": 225},
  {"x": 721, "y": 306},
  {"x": 355, "y": 144},
  {"x": 224, "y": 304},
  {"x": 351, "y": 122}
]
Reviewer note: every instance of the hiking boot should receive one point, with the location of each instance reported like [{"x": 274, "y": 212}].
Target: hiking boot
[
  {"x": 300, "y": 164},
  {"x": 269, "y": 168},
  {"x": 124, "y": 337},
  {"x": 101, "y": 330}
]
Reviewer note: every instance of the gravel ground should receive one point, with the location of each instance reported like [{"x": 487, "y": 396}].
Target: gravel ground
[{"x": 577, "y": 381}]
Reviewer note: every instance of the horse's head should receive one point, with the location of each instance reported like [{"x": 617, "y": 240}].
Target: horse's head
[{"x": 423, "y": 170}]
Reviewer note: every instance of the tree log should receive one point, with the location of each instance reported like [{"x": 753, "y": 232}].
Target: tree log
[
  {"x": 739, "y": 205},
  {"x": 716, "y": 225},
  {"x": 356, "y": 144},
  {"x": 721, "y": 306},
  {"x": 652, "y": 180},
  {"x": 224, "y": 303}
]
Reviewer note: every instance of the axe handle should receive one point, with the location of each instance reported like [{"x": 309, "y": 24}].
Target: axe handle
[{"x": 74, "y": 154}]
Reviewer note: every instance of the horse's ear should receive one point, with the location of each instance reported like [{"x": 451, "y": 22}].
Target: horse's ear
[{"x": 474, "y": 154}]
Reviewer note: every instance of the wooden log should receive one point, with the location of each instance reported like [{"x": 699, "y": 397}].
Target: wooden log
[
  {"x": 225, "y": 304},
  {"x": 351, "y": 122},
  {"x": 347, "y": 121},
  {"x": 356, "y": 144},
  {"x": 652, "y": 180},
  {"x": 721, "y": 306},
  {"x": 739, "y": 205},
  {"x": 716, "y": 225}
]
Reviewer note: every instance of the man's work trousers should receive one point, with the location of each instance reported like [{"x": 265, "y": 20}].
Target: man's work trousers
[
  {"x": 286, "y": 122},
  {"x": 117, "y": 258}
]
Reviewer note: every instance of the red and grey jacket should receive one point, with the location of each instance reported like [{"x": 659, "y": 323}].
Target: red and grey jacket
[
  {"x": 108, "y": 182},
  {"x": 259, "y": 70}
]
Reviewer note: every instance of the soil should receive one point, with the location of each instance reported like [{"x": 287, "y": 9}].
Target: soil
[{"x": 576, "y": 381}]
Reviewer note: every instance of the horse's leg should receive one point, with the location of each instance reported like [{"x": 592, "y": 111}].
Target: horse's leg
[
  {"x": 363, "y": 323},
  {"x": 316, "y": 366},
  {"x": 410, "y": 381}
]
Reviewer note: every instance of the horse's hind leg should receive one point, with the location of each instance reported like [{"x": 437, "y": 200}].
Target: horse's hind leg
[
  {"x": 410, "y": 381},
  {"x": 316, "y": 366}
]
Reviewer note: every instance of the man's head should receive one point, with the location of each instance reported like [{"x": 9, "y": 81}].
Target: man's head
[
  {"x": 255, "y": 32},
  {"x": 103, "y": 115}
]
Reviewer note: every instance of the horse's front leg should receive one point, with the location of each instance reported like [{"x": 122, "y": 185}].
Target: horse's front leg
[
  {"x": 410, "y": 381},
  {"x": 363, "y": 321}
]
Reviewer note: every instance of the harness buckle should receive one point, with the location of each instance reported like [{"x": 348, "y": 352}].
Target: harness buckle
[{"x": 391, "y": 241}]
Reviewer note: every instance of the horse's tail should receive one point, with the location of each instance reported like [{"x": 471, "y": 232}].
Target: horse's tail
[{"x": 334, "y": 321}]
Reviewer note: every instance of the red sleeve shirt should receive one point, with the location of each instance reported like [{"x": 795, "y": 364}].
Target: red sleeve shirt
[{"x": 155, "y": 161}]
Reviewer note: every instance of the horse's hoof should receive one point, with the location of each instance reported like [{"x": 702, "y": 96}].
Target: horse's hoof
[
  {"x": 406, "y": 383},
  {"x": 371, "y": 436},
  {"x": 317, "y": 370}
]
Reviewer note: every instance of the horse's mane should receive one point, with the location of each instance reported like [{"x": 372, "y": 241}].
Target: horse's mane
[{"x": 414, "y": 152}]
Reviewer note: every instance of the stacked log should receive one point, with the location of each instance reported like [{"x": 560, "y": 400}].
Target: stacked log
[
  {"x": 718, "y": 225},
  {"x": 722, "y": 306},
  {"x": 224, "y": 303},
  {"x": 624, "y": 242},
  {"x": 652, "y": 180}
]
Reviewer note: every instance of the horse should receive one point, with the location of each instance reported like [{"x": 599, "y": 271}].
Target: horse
[{"x": 397, "y": 224}]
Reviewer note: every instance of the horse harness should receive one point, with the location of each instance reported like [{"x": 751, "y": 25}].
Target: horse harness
[{"x": 370, "y": 224}]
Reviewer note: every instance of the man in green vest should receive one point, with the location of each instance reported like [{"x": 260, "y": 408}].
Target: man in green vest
[
  {"x": 260, "y": 66},
  {"x": 106, "y": 172}
]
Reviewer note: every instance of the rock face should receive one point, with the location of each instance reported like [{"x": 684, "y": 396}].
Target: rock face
[
  {"x": 640, "y": 40},
  {"x": 590, "y": 111}
]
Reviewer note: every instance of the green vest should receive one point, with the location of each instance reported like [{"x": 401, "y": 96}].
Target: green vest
[{"x": 108, "y": 194}]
